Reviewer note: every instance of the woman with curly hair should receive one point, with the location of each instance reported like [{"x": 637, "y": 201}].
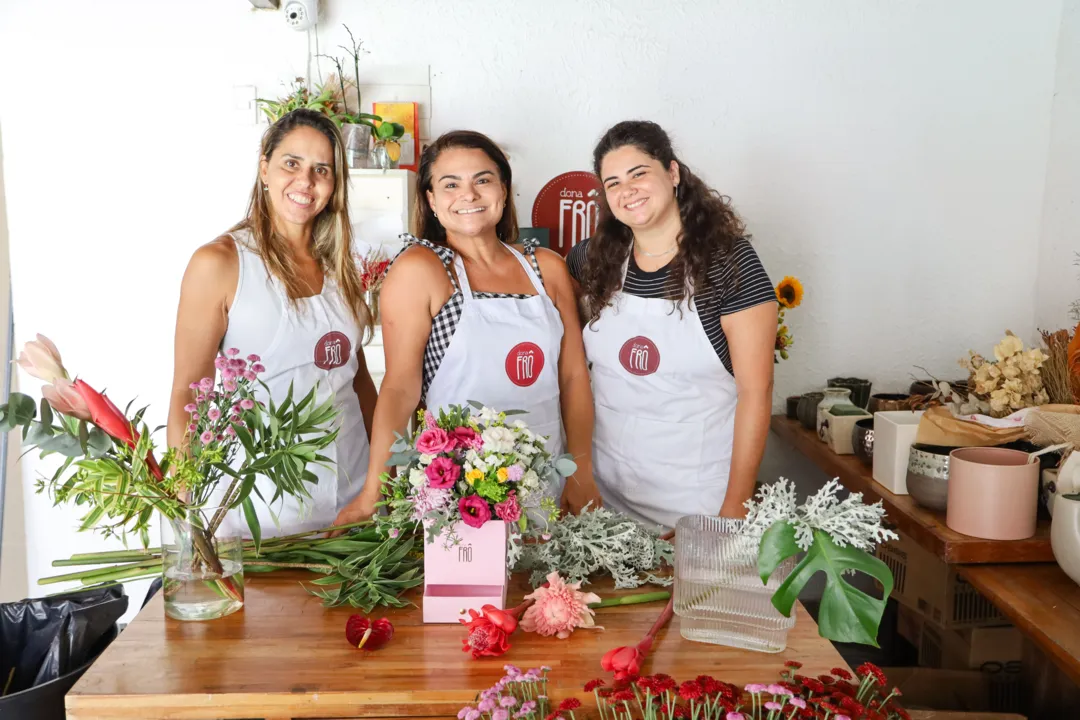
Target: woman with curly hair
[{"x": 679, "y": 326}]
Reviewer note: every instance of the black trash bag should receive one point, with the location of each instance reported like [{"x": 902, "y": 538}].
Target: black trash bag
[{"x": 46, "y": 638}]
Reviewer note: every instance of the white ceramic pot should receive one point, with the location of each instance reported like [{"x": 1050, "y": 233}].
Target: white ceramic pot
[
  {"x": 833, "y": 396},
  {"x": 1065, "y": 535}
]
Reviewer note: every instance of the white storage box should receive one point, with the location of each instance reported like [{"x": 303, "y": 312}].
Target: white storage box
[{"x": 894, "y": 434}]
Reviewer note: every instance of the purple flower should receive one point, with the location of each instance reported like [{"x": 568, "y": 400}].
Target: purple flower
[
  {"x": 779, "y": 690},
  {"x": 486, "y": 705},
  {"x": 213, "y": 413},
  {"x": 755, "y": 688},
  {"x": 192, "y": 427},
  {"x": 249, "y": 376},
  {"x": 734, "y": 716},
  {"x": 462, "y": 712},
  {"x": 206, "y": 437},
  {"x": 257, "y": 368},
  {"x": 253, "y": 358},
  {"x": 233, "y": 352},
  {"x": 228, "y": 374},
  {"x": 201, "y": 398},
  {"x": 426, "y": 498},
  {"x": 194, "y": 386},
  {"x": 798, "y": 702},
  {"x": 508, "y": 701},
  {"x": 229, "y": 385},
  {"x": 195, "y": 416},
  {"x": 191, "y": 407},
  {"x": 206, "y": 384},
  {"x": 514, "y": 472},
  {"x": 230, "y": 431},
  {"x": 527, "y": 707},
  {"x": 472, "y": 715},
  {"x": 500, "y": 714},
  {"x": 773, "y": 706},
  {"x": 512, "y": 671},
  {"x": 247, "y": 403},
  {"x": 221, "y": 362},
  {"x": 394, "y": 532}
]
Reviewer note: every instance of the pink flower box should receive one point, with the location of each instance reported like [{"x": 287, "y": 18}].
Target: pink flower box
[{"x": 470, "y": 574}]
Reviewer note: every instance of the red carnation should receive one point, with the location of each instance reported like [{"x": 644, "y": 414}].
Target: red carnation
[
  {"x": 593, "y": 684},
  {"x": 827, "y": 679},
  {"x": 841, "y": 673},
  {"x": 680, "y": 712},
  {"x": 605, "y": 692},
  {"x": 689, "y": 690},
  {"x": 813, "y": 685},
  {"x": 793, "y": 664},
  {"x": 854, "y": 706},
  {"x": 623, "y": 696},
  {"x": 569, "y": 704},
  {"x": 873, "y": 671}
]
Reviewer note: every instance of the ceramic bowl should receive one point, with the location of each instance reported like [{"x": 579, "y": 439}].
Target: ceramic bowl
[
  {"x": 887, "y": 402},
  {"x": 860, "y": 389},
  {"x": 993, "y": 493},
  {"x": 862, "y": 440},
  {"x": 793, "y": 406},
  {"x": 807, "y": 410},
  {"x": 928, "y": 475}
]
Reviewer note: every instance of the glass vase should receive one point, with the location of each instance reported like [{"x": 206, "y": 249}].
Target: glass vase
[
  {"x": 202, "y": 564},
  {"x": 357, "y": 145},
  {"x": 719, "y": 596}
]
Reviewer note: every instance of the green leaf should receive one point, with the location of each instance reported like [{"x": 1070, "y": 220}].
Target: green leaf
[
  {"x": 98, "y": 443},
  {"x": 21, "y": 409},
  {"x": 84, "y": 437},
  {"x": 253, "y": 523},
  {"x": 565, "y": 467},
  {"x": 847, "y": 614},
  {"x": 245, "y": 440},
  {"x": 46, "y": 413}
]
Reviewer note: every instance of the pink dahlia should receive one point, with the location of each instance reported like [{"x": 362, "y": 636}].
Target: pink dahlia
[{"x": 559, "y": 608}]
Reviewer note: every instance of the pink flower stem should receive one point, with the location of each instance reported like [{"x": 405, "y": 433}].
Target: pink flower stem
[{"x": 661, "y": 621}]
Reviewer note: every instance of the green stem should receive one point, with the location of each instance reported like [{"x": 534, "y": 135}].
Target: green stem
[
  {"x": 132, "y": 574},
  {"x": 131, "y": 557},
  {"x": 631, "y": 599},
  {"x": 102, "y": 572},
  {"x": 111, "y": 554},
  {"x": 10, "y": 679},
  {"x": 276, "y": 565}
]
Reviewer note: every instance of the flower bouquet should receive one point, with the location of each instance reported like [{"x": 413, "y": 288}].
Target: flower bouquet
[
  {"x": 789, "y": 293},
  {"x": 471, "y": 481},
  {"x": 110, "y": 468},
  {"x": 373, "y": 268}
]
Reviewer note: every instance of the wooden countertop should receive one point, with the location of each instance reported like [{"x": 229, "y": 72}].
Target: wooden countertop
[
  {"x": 285, "y": 656},
  {"x": 1041, "y": 600},
  {"x": 926, "y": 527}
]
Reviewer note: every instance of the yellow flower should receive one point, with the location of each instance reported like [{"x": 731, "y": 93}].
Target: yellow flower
[
  {"x": 473, "y": 475},
  {"x": 789, "y": 292},
  {"x": 502, "y": 474}
]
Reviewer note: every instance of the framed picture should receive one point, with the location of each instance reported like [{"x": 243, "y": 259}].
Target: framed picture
[{"x": 407, "y": 115}]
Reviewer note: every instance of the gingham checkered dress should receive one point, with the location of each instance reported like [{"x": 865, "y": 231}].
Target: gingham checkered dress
[{"x": 445, "y": 322}]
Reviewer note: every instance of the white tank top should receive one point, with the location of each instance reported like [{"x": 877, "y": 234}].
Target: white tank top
[{"x": 315, "y": 341}]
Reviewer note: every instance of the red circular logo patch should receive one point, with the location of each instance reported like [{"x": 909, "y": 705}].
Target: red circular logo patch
[
  {"x": 567, "y": 209},
  {"x": 640, "y": 356},
  {"x": 332, "y": 350},
  {"x": 524, "y": 363}
]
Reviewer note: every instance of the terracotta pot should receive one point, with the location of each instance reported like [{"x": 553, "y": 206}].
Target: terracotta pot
[
  {"x": 1065, "y": 535},
  {"x": 993, "y": 493},
  {"x": 793, "y": 406},
  {"x": 860, "y": 389},
  {"x": 807, "y": 410},
  {"x": 862, "y": 440},
  {"x": 889, "y": 402}
]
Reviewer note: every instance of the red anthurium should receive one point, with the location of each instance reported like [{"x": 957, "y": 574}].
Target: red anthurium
[{"x": 368, "y": 634}]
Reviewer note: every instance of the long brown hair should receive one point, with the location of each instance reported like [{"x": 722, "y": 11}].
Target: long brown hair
[
  {"x": 428, "y": 226},
  {"x": 332, "y": 234},
  {"x": 710, "y": 225}
]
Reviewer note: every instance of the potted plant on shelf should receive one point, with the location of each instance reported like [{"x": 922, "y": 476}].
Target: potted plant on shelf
[
  {"x": 109, "y": 468},
  {"x": 322, "y": 101},
  {"x": 356, "y": 127},
  {"x": 387, "y": 149}
]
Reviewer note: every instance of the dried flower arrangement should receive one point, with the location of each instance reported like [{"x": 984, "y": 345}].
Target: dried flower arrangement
[{"x": 1010, "y": 383}]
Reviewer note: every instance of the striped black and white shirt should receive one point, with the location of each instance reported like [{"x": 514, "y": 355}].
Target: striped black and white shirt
[{"x": 741, "y": 281}]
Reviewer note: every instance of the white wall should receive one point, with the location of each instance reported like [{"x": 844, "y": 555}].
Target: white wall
[
  {"x": 892, "y": 155},
  {"x": 1059, "y": 272}
]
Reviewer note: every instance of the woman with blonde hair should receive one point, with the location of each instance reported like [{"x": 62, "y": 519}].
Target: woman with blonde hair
[{"x": 282, "y": 286}]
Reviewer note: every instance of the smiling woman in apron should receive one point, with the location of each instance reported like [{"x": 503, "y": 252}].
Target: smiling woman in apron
[
  {"x": 282, "y": 285},
  {"x": 679, "y": 328},
  {"x": 467, "y": 316}
]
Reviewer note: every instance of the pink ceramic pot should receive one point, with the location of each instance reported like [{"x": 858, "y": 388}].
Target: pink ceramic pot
[{"x": 993, "y": 493}]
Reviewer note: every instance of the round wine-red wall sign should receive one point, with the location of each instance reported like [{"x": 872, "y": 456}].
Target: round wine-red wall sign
[{"x": 568, "y": 206}]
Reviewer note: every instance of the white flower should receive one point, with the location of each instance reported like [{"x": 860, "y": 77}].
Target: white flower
[
  {"x": 472, "y": 460},
  {"x": 498, "y": 440},
  {"x": 488, "y": 416},
  {"x": 530, "y": 480},
  {"x": 426, "y": 459},
  {"x": 526, "y": 450},
  {"x": 520, "y": 425},
  {"x": 417, "y": 477}
]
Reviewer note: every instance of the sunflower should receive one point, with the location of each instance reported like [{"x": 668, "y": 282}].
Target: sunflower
[{"x": 789, "y": 292}]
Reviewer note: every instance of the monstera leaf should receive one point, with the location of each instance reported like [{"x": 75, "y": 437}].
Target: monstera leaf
[{"x": 847, "y": 614}]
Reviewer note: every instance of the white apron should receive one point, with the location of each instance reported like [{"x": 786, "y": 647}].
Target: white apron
[
  {"x": 665, "y": 411},
  {"x": 505, "y": 355},
  {"x": 315, "y": 343}
]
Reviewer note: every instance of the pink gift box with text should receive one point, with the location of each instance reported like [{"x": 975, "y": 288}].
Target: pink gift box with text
[{"x": 468, "y": 575}]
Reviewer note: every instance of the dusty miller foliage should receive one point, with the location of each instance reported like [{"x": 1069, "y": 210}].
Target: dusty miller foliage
[{"x": 596, "y": 541}]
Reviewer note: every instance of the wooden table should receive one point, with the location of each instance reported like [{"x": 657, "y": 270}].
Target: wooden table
[
  {"x": 926, "y": 527},
  {"x": 285, "y": 656}
]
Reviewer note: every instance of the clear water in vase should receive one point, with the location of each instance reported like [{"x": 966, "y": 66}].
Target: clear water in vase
[
  {"x": 202, "y": 571},
  {"x": 719, "y": 596}
]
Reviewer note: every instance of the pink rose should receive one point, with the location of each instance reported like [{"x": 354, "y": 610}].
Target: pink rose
[
  {"x": 442, "y": 473},
  {"x": 434, "y": 441},
  {"x": 467, "y": 438},
  {"x": 474, "y": 510}
]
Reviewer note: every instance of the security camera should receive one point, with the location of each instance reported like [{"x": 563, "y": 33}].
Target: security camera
[{"x": 301, "y": 14}]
